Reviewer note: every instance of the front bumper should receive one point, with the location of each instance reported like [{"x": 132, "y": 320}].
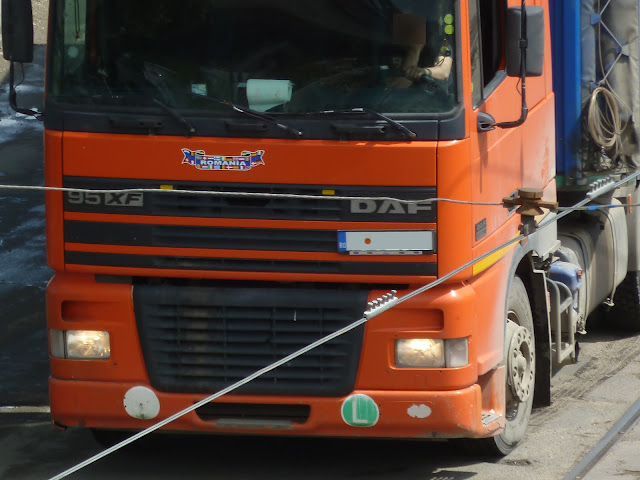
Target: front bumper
[
  {"x": 405, "y": 414},
  {"x": 459, "y": 402}
]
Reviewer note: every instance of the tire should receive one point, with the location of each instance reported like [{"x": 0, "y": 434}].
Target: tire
[
  {"x": 625, "y": 313},
  {"x": 520, "y": 373}
]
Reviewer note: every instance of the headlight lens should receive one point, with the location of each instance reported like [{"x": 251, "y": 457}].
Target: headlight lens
[
  {"x": 432, "y": 353},
  {"x": 56, "y": 339},
  {"x": 456, "y": 352},
  {"x": 420, "y": 352},
  {"x": 80, "y": 344}
]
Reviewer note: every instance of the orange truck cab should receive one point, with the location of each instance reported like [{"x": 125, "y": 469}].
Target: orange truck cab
[{"x": 233, "y": 180}]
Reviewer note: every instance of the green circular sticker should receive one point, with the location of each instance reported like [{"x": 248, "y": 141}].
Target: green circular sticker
[
  {"x": 448, "y": 29},
  {"x": 360, "y": 410},
  {"x": 448, "y": 19}
]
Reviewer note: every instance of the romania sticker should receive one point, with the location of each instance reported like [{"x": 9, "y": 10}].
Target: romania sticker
[{"x": 237, "y": 163}]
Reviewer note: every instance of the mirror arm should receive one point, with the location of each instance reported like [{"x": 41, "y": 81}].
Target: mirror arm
[
  {"x": 523, "y": 72},
  {"x": 13, "y": 97}
]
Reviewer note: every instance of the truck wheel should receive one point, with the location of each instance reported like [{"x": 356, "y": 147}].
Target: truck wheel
[
  {"x": 625, "y": 313},
  {"x": 520, "y": 365}
]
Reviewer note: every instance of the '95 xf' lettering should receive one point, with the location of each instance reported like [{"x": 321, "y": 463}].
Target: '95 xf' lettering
[{"x": 106, "y": 199}]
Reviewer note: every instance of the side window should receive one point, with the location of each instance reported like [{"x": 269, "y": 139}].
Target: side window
[
  {"x": 486, "y": 19},
  {"x": 476, "y": 56}
]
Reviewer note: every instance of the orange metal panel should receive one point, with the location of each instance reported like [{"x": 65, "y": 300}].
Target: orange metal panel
[
  {"x": 53, "y": 200},
  {"x": 445, "y": 312},
  {"x": 257, "y": 276},
  {"x": 233, "y": 222},
  {"x": 453, "y": 413},
  {"x": 454, "y": 219},
  {"x": 77, "y": 302},
  {"x": 300, "y": 161},
  {"x": 220, "y": 253}
]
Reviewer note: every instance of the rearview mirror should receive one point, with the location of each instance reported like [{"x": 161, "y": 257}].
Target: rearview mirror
[
  {"x": 17, "y": 31},
  {"x": 535, "y": 41}
]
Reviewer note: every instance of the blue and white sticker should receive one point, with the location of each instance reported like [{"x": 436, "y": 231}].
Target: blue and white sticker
[
  {"x": 386, "y": 242},
  {"x": 342, "y": 241},
  {"x": 244, "y": 162}
]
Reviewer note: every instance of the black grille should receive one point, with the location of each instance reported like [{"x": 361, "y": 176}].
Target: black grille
[
  {"x": 245, "y": 238},
  {"x": 182, "y": 236},
  {"x": 202, "y": 339},
  {"x": 217, "y": 206},
  {"x": 254, "y": 412},
  {"x": 274, "y": 239},
  {"x": 247, "y": 207},
  {"x": 251, "y": 264}
]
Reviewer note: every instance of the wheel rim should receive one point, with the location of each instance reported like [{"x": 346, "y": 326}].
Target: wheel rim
[{"x": 520, "y": 364}]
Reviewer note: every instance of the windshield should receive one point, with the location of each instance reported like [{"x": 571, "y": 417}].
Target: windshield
[{"x": 275, "y": 56}]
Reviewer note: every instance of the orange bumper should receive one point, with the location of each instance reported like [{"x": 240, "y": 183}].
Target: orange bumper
[
  {"x": 407, "y": 414},
  {"x": 411, "y": 403}
]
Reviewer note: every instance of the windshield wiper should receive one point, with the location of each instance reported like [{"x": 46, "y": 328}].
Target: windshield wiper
[
  {"x": 397, "y": 125},
  {"x": 145, "y": 121},
  {"x": 251, "y": 113},
  {"x": 189, "y": 128}
]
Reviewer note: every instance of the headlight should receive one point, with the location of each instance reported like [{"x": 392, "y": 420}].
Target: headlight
[
  {"x": 420, "y": 352},
  {"x": 432, "y": 353},
  {"x": 80, "y": 344}
]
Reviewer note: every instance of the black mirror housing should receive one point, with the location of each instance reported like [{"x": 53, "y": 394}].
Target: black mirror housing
[
  {"x": 17, "y": 31},
  {"x": 535, "y": 41}
]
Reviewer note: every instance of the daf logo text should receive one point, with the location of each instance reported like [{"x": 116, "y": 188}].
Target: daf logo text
[{"x": 391, "y": 207}]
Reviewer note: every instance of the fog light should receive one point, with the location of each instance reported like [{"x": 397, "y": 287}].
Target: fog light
[
  {"x": 80, "y": 344},
  {"x": 419, "y": 353},
  {"x": 432, "y": 353}
]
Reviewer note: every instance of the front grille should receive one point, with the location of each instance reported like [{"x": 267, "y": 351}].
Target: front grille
[
  {"x": 202, "y": 339},
  {"x": 245, "y": 236},
  {"x": 170, "y": 204}
]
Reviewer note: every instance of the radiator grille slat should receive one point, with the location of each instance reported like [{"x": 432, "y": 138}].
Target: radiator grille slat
[
  {"x": 244, "y": 238},
  {"x": 250, "y": 207},
  {"x": 202, "y": 339},
  {"x": 250, "y": 265}
]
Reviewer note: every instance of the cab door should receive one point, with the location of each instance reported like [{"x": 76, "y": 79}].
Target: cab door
[{"x": 505, "y": 159}]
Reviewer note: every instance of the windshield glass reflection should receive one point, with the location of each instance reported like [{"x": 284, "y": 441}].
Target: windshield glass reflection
[{"x": 275, "y": 56}]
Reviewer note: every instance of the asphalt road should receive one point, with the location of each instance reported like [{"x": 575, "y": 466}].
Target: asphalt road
[{"x": 23, "y": 270}]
